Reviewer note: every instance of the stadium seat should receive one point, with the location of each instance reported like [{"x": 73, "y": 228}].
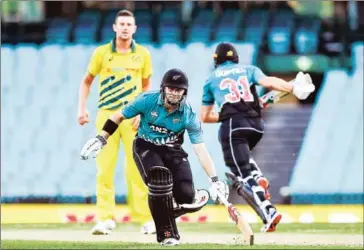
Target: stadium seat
[
  {"x": 279, "y": 35},
  {"x": 87, "y": 24},
  {"x": 58, "y": 31},
  {"x": 255, "y": 26},
  {"x": 170, "y": 26},
  {"x": 8, "y": 63},
  {"x": 201, "y": 27},
  {"x": 306, "y": 38},
  {"x": 228, "y": 26}
]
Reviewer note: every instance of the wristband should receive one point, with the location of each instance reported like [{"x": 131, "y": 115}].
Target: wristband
[
  {"x": 214, "y": 179},
  {"x": 110, "y": 126}
]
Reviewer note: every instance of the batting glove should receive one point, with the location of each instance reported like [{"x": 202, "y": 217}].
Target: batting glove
[
  {"x": 94, "y": 146},
  {"x": 303, "y": 86},
  {"x": 218, "y": 186}
]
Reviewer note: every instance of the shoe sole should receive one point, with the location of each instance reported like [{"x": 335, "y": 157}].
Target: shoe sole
[{"x": 274, "y": 224}]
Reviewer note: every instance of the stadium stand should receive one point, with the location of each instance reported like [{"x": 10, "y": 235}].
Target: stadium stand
[
  {"x": 333, "y": 168},
  {"x": 39, "y": 83}
]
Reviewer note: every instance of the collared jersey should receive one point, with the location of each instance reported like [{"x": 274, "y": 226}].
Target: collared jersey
[
  {"x": 120, "y": 75},
  {"x": 232, "y": 87},
  {"x": 160, "y": 127}
]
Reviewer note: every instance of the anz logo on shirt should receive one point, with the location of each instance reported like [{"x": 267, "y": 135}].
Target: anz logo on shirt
[{"x": 169, "y": 141}]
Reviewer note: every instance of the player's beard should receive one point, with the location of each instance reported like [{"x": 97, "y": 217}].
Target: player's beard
[{"x": 173, "y": 99}]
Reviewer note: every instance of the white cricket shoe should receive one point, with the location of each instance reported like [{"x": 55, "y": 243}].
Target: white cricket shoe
[
  {"x": 148, "y": 228},
  {"x": 170, "y": 242},
  {"x": 274, "y": 217},
  {"x": 103, "y": 227}
]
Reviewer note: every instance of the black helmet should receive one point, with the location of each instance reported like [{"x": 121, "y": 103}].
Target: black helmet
[
  {"x": 225, "y": 52},
  {"x": 175, "y": 78}
]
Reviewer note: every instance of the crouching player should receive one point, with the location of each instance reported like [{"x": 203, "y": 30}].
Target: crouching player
[{"x": 158, "y": 153}]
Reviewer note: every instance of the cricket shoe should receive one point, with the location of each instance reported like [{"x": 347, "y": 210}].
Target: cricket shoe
[
  {"x": 170, "y": 242},
  {"x": 264, "y": 183},
  {"x": 148, "y": 228},
  {"x": 202, "y": 196},
  {"x": 274, "y": 217},
  {"x": 103, "y": 227}
]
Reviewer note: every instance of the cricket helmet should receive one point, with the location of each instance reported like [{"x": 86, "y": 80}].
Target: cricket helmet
[{"x": 225, "y": 52}]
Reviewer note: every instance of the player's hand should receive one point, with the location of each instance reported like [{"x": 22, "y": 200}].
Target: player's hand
[
  {"x": 303, "y": 86},
  {"x": 83, "y": 117},
  {"x": 136, "y": 121},
  {"x": 94, "y": 146},
  {"x": 221, "y": 187}
]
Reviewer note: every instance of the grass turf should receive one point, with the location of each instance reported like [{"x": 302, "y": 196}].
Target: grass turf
[
  {"x": 344, "y": 228},
  {"x": 12, "y": 244},
  {"x": 220, "y": 228}
]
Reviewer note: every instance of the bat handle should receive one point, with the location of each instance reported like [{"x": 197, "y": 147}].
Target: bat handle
[{"x": 223, "y": 199}]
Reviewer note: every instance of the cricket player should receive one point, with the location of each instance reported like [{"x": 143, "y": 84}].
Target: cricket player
[
  {"x": 232, "y": 87},
  {"x": 161, "y": 160},
  {"x": 124, "y": 69}
]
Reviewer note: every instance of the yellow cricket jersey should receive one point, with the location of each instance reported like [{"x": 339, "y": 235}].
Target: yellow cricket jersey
[{"x": 120, "y": 75}]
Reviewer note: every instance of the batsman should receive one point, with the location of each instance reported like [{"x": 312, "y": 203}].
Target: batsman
[
  {"x": 162, "y": 162},
  {"x": 124, "y": 69},
  {"x": 232, "y": 87}
]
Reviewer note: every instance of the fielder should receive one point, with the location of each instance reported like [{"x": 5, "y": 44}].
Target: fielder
[
  {"x": 232, "y": 86},
  {"x": 124, "y": 68},
  {"x": 158, "y": 152}
]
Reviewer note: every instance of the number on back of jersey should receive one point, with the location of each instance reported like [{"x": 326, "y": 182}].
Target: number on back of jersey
[{"x": 239, "y": 89}]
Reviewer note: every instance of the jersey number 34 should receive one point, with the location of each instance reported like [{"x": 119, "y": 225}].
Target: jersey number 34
[{"x": 239, "y": 89}]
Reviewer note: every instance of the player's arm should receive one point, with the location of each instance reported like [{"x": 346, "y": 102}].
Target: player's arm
[
  {"x": 93, "y": 69},
  {"x": 205, "y": 159},
  {"x": 111, "y": 125},
  {"x": 195, "y": 133},
  {"x": 147, "y": 71},
  {"x": 146, "y": 84},
  {"x": 301, "y": 86},
  {"x": 270, "y": 82},
  {"x": 84, "y": 91},
  {"x": 207, "y": 113}
]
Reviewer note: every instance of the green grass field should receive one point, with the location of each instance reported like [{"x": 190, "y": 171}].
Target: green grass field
[{"x": 86, "y": 241}]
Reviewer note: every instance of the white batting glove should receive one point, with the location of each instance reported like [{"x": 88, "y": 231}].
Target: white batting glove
[
  {"x": 303, "y": 86},
  {"x": 218, "y": 186},
  {"x": 94, "y": 145}
]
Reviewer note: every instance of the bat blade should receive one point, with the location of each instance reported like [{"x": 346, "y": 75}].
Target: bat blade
[{"x": 242, "y": 224}]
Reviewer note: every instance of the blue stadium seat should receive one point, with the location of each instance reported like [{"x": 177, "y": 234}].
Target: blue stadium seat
[
  {"x": 8, "y": 63},
  {"x": 86, "y": 27},
  {"x": 279, "y": 35},
  {"x": 306, "y": 38},
  {"x": 169, "y": 27},
  {"x": 58, "y": 31},
  {"x": 201, "y": 27},
  {"x": 228, "y": 26},
  {"x": 107, "y": 32},
  {"x": 357, "y": 50},
  {"x": 256, "y": 26},
  {"x": 144, "y": 32}
]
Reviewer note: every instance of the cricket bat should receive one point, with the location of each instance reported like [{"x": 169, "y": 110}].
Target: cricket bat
[
  {"x": 272, "y": 97},
  {"x": 241, "y": 223}
]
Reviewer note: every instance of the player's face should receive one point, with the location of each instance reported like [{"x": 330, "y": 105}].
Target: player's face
[
  {"x": 174, "y": 95},
  {"x": 124, "y": 27}
]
